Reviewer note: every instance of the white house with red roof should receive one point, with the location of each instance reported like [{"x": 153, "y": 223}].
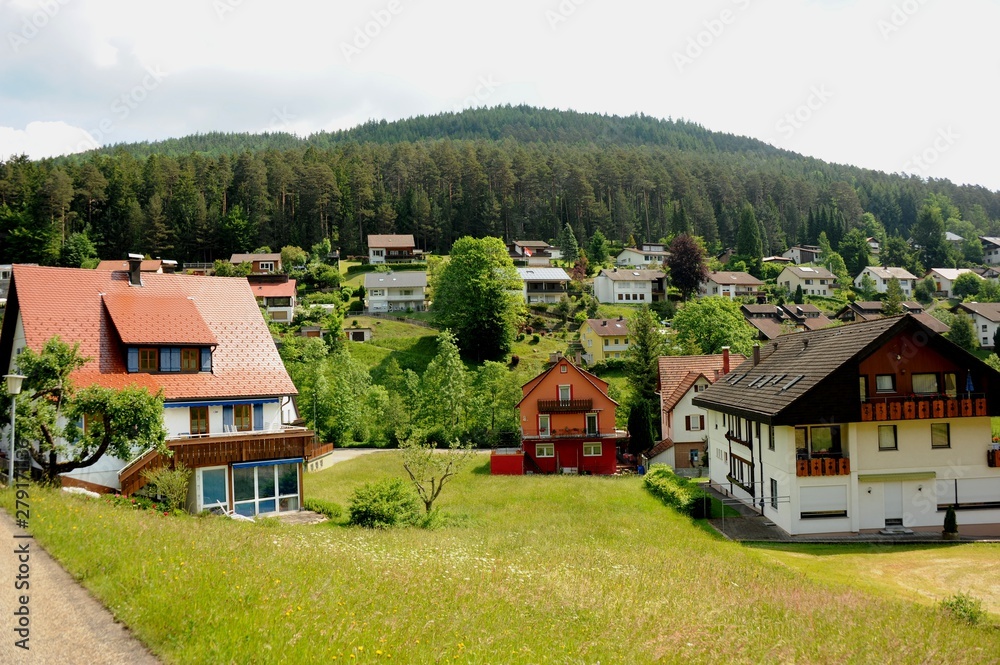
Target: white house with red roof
[
  {"x": 276, "y": 294},
  {"x": 393, "y": 249},
  {"x": 203, "y": 342}
]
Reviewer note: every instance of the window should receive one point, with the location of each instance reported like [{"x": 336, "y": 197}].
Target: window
[
  {"x": 940, "y": 435},
  {"x": 694, "y": 423},
  {"x": 590, "y": 343},
  {"x": 887, "y": 437},
  {"x": 543, "y": 425},
  {"x": 825, "y": 441},
  {"x": 863, "y": 387},
  {"x": 563, "y": 369},
  {"x": 406, "y": 292},
  {"x": 213, "y": 487},
  {"x": 809, "y": 281},
  {"x": 565, "y": 393},
  {"x": 243, "y": 417},
  {"x": 885, "y": 383},
  {"x": 545, "y": 450},
  {"x": 267, "y": 265},
  {"x": 950, "y": 384},
  {"x": 592, "y": 449},
  {"x": 774, "y": 494},
  {"x": 199, "y": 420},
  {"x": 925, "y": 384},
  {"x": 642, "y": 296},
  {"x": 621, "y": 297},
  {"x": 279, "y": 302},
  {"x": 591, "y": 424},
  {"x": 149, "y": 360},
  {"x": 190, "y": 360},
  {"x": 265, "y": 487},
  {"x": 984, "y": 327},
  {"x": 770, "y": 438},
  {"x": 376, "y": 293},
  {"x": 607, "y": 341}
]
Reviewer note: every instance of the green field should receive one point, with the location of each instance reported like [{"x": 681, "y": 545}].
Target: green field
[{"x": 528, "y": 570}]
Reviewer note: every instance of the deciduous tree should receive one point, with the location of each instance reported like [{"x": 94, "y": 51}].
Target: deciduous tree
[
  {"x": 963, "y": 332},
  {"x": 687, "y": 264},
  {"x": 712, "y": 323}
]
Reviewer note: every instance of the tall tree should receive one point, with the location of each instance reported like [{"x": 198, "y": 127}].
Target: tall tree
[
  {"x": 929, "y": 237},
  {"x": 963, "y": 332},
  {"x": 568, "y": 244},
  {"x": 476, "y": 296},
  {"x": 749, "y": 246},
  {"x": 686, "y": 264},
  {"x": 892, "y": 304},
  {"x": 598, "y": 248},
  {"x": 646, "y": 345},
  {"x": 855, "y": 251},
  {"x": 443, "y": 389},
  {"x": 712, "y": 323}
]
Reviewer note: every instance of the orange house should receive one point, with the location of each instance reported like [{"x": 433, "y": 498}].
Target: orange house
[{"x": 567, "y": 425}]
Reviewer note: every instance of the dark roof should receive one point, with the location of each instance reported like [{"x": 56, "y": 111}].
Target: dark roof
[
  {"x": 795, "y": 365},
  {"x": 988, "y": 310}
]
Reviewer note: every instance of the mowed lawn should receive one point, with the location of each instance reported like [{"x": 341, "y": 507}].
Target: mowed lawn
[{"x": 531, "y": 570}]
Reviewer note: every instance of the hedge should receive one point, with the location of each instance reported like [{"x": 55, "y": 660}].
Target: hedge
[{"x": 677, "y": 492}]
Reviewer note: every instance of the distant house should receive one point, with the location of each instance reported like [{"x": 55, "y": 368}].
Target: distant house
[
  {"x": 393, "y": 249},
  {"x": 985, "y": 318},
  {"x": 882, "y": 276},
  {"x": 629, "y": 286},
  {"x": 944, "y": 279},
  {"x": 358, "y": 334},
  {"x": 776, "y": 260},
  {"x": 730, "y": 285},
  {"x": 774, "y": 320},
  {"x": 158, "y": 266},
  {"x": 395, "y": 291},
  {"x": 863, "y": 310},
  {"x": 276, "y": 294},
  {"x": 877, "y": 425},
  {"x": 874, "y": 246},
  {"x": 815, "y": 281},
  {"x": 953, "y": 238},
  {"x": 203, "y": 342},
  {"x": 532, "y": 252},
  {"x": 604, "y": 339},
  {"x": 262, "y": 263},
  {"x": 991, "y": 250},
  {"x": 987, "y": 272},
  {"x": 640, "y": 257},
  {"x": 802, "y": 254},
  {"x": 567, "y": 426},
  {"x": 683, "y": 428},
  {"x": 545, "y": 285}
]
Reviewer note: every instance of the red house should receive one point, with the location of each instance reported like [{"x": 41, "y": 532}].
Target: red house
[{"x": 567, "y": 426}]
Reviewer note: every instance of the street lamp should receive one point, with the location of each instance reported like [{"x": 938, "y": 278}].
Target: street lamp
[{"x": 13, "y": 389}]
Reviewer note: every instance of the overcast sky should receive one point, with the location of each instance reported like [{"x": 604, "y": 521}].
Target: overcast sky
[{"x": 895, "y": 85}]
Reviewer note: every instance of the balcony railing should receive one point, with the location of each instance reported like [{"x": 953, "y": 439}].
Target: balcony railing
[
  {"x": 914, "y": 407},
  {"x": 571, "y": 433},
  {"x": 565, "y": 405},
  {"x": 823, "y": 466}
]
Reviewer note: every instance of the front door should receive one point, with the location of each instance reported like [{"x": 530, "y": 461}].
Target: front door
[{"x": 893, "y": 504}]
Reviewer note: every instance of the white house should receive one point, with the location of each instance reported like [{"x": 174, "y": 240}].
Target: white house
[
  {"x": 537, "y": 253},
  {"x": 944, "y": 279},
  {"x": 729, "y": 284},
  {"x": 646, "y": 255},
  {"x": 546, "y": 285},
  {"x": 985, "y": 318},
  {"x": 276, "y": 294},
  {"x": 802, "y": 253},
  {"x": 876, "y": 425},
  {"x": 991, "y": 250},
  {"x": 629, "y": 286},
  {"x": 393, "y": 249},
  {"x": 882, "y": 276},
  {"x": 395, "y": 291},
  {"x": 683, "y": 430},
  {"x": 814, "y": 280}
]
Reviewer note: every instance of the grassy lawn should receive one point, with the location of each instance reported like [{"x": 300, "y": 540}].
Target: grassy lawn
[
  {"x": 531, "y": 569},
  {"x": 922, "y": 574},
  {"x": 412, "y": 346}
]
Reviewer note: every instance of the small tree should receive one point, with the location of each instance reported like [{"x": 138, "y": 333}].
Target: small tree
[
  {"x": 966, "y": 284},
  {"x": 429, "y": 469},
  {"x": 950, "y": 520},
  {"x": 963, "y": 332},
  {"x": 292, "y": 256},
  {"x": 598, "y": 248},
  {"x": 893, "y": 303},
  {"x": 170, "y": 484},
  {"x": 867, "y": 290},
  {"x": 798, "y": 298},
  {"x": 568, "y": 245},
  {"x": 687, "y": 264}
]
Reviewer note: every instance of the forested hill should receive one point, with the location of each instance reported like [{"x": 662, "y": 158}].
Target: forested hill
[{"x": 513, "y": 172}]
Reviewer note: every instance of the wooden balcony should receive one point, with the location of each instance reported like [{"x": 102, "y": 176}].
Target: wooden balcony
[
  {"x": 565, "y": 405},
  {"x": 917, "y": 407},
  {"x": 823, "y": 466},
  {"x": 221, "y": 450},
  {"x": 572, "y": 433}
]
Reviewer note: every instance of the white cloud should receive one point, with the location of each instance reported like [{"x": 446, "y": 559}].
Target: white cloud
[{"x": 44, "y": 139}]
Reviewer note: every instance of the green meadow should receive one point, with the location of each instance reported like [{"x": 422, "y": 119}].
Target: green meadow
[{"x": 525, "y": 570}]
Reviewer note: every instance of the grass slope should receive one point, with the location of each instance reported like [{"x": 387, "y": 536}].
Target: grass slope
[{"x": 535, "y": 569}]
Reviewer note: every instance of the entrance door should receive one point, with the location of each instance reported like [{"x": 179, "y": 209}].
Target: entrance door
[{"x": 893, "y": 504}]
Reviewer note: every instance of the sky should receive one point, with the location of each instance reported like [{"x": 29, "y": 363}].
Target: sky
[{"x": 902, "y": 86}]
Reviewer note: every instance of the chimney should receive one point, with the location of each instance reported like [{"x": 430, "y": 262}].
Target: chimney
[
  {"x": 134, "y": 274},
  {"x": 805, "y": 343},
  {"x": 621, "y": 318},
  {"x": 756, "y": 354},
  {"x": 725, "y": 360},
  {"x": 604, "y": 323},
  {"x": 169, "y": 266}
]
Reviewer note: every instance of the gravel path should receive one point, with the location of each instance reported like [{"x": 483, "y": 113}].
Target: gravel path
[{"x": 67, "y": 625}]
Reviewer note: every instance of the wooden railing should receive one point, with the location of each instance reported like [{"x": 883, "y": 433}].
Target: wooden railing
[
  {"x": 913, "y": 407},
  {"x": 565, "y": 405},
  {"x": 823, "y": 466},
  {"x": 570, "y": 433},
  {"x": 222, "y": 450}
]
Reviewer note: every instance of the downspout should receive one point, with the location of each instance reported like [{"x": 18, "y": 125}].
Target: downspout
[{"x": 760, "y": 457}]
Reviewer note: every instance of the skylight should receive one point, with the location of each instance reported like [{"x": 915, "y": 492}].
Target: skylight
[{"x": 792, "y": 382}]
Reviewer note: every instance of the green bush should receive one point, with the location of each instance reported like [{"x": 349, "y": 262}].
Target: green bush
[
  {"x": 677, "y": 492},
  {"x": 965, "y": 608},
  {"x": 170, "y": 484},
  {"x": 950, "y": 521},
  {"x": 383, "y": 504},
  {"x": 328, "y": 508},
  {"x": 356, "y": 306}
]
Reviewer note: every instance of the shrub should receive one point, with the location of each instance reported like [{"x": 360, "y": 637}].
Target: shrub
[
  {"x": 950, "y": 521},
  {"x": 535, "y": 339},
  {"x": 965, "y": 608},
  {"x": 383, "y": 504},
  {"x": 514, "y": 360},
  {"x": 328, "y": 508},
  {"x": 677, "y": 492},
  {"x": 171, "y": 484},
  {"x": 356, "y": 306}
]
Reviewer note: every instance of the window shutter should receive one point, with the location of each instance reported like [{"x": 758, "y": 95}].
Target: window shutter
[
  {"x": 258, "y": 416},
  {"x": 133, "y": 359},
  {"x": 206, "y": 360},
  {"x": 175, "y": 360},
  {"x": 227, "y": 417},
  {"x": 701, "y": 421},
  {"x": 687, "y": 422},
  {"x": 164, "y": 360}
]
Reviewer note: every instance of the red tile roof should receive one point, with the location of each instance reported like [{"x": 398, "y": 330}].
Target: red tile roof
[
  {"x": 678, "y": 374},
  {"x": 142, "y": 319},
  {"x": 69, "y": 302},
  {"x": 274, "y": 290}
]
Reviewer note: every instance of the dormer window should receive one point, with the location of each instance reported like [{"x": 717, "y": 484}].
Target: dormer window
[
  {"x": 154, "y": 359},
  {"x": 190, "y": 360},
  {"x": 149, "y": 360}
]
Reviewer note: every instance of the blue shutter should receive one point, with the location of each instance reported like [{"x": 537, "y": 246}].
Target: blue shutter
[
  {"x": 133, "y": 359},
  {"x": 258, "y": 417},
  {"x": 164, "y": 360},
  {"x": 175, "y": 360},
  {"x": 227, "y": 416},
  {"x": 206, "y": 360}
]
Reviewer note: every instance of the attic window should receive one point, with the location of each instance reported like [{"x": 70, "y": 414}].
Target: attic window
[
  {"x": 738, "y": 379},
  {"x": 792, "y": 382},
  {"x": 777, "y": 378}
]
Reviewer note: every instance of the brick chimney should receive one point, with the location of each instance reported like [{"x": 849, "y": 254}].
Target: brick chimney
[
  {"x": 756, "y": 354},
  {"x": 725, "y": 360},
  {"x": 134, "y": 273}
]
